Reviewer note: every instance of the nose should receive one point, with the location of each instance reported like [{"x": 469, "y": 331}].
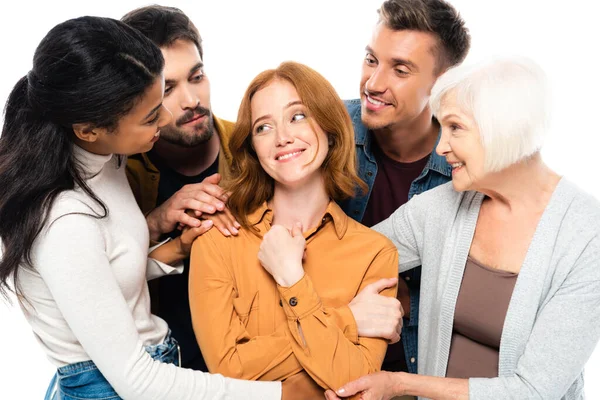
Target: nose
[
  {"x": 376, "y": 83},
  {"x": 188, "y": 99},
  {"x": 165, "y": 117},
  {"x": 443, "y": 146},
  {"x": 283, "y": 136}
]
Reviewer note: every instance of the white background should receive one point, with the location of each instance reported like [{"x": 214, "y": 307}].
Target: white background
[{"x": 242, "y": 38}]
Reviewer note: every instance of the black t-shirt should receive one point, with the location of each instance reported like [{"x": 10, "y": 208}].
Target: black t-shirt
[{"x": 172, "y": 290}]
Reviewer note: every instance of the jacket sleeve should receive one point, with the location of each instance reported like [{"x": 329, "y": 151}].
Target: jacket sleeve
[
  {"x": 226, "y": 345},
  {"x": 322, "y": 348},
  {"x": 564, "y": 336},
  {"x": 70, "y": 257}
]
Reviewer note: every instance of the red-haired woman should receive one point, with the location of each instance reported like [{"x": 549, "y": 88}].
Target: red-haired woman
[{"x": 272, "y": 303}]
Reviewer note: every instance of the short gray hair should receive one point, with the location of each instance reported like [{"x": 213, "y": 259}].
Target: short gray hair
[{"x": 509, "y": 100}]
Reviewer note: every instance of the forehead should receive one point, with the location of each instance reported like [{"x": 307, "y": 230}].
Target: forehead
[
  {"x": 180, "y": 57},
  {"x": 151, "y": 98},
  {"x": 418, "y": 47},
  {"x": 450, "y": 105},
  {"x": 274, "y": 96}
]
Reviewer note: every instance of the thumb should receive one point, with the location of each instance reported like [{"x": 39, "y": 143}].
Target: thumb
[
  {"x": 214, "y": 179},
  {"x": 351, "y": 388},
  {"x": 193, "y": 233},
  {"x": 297, "y": 229},
  {"x": 380, "y": 285}
]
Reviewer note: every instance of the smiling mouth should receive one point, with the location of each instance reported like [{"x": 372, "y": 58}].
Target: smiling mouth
[
  {"x": 288, "y": 155},
  {"x": 456, "y": 165}
]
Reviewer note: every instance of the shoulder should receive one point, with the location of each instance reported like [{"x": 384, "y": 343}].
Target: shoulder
[
  {"x": 224, "y": 127},
  {"x": 352, "y": 106},
  {"x": 582, "y": 209},
  {"x": 442, "y": 198},
  {"x": 215, "y": 240},
  {"x": 369, "y": 238}
]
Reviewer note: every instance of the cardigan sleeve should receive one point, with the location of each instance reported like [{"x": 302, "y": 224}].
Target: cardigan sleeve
[
  {"x": 71, "y": 259},
  {"x": 404, "y": 229},
  {"x": 564, "y": 336}
]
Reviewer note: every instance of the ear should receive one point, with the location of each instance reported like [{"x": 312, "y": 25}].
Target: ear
[
  {"x": 87, "y": 133},
  {"x": 330, "y": 140}
]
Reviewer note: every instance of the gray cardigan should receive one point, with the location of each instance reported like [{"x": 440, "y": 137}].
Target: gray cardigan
[{"x": 553, "y": 320}]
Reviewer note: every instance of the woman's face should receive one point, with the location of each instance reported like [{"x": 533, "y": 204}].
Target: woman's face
[
  {"x": 461, "y": 145},
  {"x": 290, "y": 147},
  {"x": 138, "y": 130}
]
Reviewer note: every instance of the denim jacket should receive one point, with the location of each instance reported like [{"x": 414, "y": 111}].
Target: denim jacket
[{"x": 436, "y": 172}]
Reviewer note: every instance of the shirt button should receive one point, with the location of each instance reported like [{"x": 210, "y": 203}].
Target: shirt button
[
  {"x": 293, "y": 301},
  {"x": 153, "y": 177},
  {"x": 369, "y": 174},
  {"x": 412, "y": 360},
  {"x": 407, "y": 278},
  {"x": 356, "y": 212}
]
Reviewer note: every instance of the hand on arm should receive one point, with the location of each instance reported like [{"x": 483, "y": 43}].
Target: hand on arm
[
  {"x": 385, "y": 385},
  {"x": 376, "y": 315},
  {"x": 205, "y": 198}
]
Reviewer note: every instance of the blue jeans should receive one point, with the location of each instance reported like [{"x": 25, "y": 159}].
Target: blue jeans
[{"x": 83, "y": 380}]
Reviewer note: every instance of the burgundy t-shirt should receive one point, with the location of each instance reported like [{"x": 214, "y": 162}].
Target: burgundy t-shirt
[
  {"x": 391, "y": 187},
  {"x": 390, "y": 191}
]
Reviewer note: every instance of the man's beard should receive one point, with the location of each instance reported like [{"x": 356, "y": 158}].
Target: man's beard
[{"x": 200, "y": 134}]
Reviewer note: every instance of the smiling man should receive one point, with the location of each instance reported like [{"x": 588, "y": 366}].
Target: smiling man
[
  {"x": 180, "y": 172},
  {"x": 413, "y": 43}
]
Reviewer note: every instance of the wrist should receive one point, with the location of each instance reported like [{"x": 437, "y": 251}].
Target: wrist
[
  {"x": 399, "y": 379},
  {"x": 181, "y": 249},
  {"x": 290, "y": 277},
  {"x": 153, "y": 228}
]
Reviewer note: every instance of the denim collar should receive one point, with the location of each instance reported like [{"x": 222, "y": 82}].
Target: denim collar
[{"x": 363, "y": 138}]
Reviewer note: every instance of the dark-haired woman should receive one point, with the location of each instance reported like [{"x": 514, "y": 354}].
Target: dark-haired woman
[{"x": 74, "y": 243}]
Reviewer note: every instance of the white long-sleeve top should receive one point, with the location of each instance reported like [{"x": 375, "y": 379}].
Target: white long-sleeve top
[{"x": 87, "y": 297}]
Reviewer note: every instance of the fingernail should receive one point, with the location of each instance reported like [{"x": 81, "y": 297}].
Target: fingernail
[
  {"x": 227, "y": 233},
  {"x": 237, "y": 224},
  {"x": 209, "y": 222},
  {"x": 221, "y": 206},
  {"x": 234, "y": 231},
  {"x": 341, "y": 391}
]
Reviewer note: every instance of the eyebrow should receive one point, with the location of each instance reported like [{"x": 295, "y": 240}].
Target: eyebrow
[
  {"x": 448, "y": 116},
  {"x": 397, "y": 61},
  {"x": 288, "y": 105},
  {"x": 155, "y": 109},
  {"x": 195, "y": 68}
]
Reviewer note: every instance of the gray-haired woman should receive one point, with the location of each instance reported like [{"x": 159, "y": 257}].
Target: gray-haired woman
[{"x": 510, "y": 296}]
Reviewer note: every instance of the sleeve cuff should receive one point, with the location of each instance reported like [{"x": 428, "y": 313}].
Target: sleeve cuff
[
  {"x": 156, "y": 269},
  {"x": 299, "y": 300}
]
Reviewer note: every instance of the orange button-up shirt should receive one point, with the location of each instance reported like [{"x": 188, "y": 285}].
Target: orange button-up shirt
[{"x": 248, "y": 326}]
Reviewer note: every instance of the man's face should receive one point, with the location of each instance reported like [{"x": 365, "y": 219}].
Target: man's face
[
  {"x": 187, "y": 96},
  {"x": 398, "y": 73}
]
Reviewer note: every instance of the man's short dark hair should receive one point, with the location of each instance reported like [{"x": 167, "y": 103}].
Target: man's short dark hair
[
  {"x": 435, "y": 16},
  {"x": 164, "y": 25}
]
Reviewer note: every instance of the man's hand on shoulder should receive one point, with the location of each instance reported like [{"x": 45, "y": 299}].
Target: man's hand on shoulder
[{"x": 205, "y": 199}]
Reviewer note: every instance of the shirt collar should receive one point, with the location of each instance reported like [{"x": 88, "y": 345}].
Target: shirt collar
[{"x": 333, "y": 213}]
